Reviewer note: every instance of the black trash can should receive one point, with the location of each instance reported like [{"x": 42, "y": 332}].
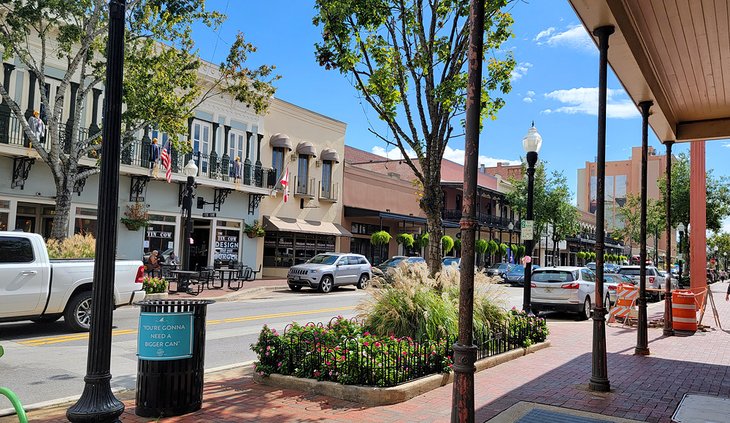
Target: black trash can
[{"x": 171, "y": 352}]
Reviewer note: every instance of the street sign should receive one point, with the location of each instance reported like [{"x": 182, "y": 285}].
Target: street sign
[
  {"x": 527, "y": 230},
  {"x": 209, "y": 214},
  {"x": 165, "y": 336}
]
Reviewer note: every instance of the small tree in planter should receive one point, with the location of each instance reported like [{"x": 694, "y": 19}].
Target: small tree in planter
[
  {"x": 254, "y": 230},
  {"x": 135, "y": 217},
  {"x": 457, "y": 247},
  {"x": 422, "y": 240},
  {"x": 447, "y": 244},
  {"x": 503, "y": 250},
  {"x": 380, "y": 238},
  {"x": 581, "y": 255},
  {"x": 481, "y": 246},
  {"x": 492, "y": 248}
]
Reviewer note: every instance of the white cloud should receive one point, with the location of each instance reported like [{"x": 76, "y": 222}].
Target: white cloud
[
  {"x": 585, "y": 101},
  {"x": 520, "y": 70},
  {"x": 574, "y": 37},
  {"x": 544, "y": 34},
  {"x": 529, "y": 97},
  {"x": 457, "y": 155},
  {"x": 727, "y": 145},
  {"x": 394, "y": 153}
]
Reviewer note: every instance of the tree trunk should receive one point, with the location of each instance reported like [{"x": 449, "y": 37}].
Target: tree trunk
[
  {"x": 63, "y": 208},
  {"x": 431, "y": 204}
]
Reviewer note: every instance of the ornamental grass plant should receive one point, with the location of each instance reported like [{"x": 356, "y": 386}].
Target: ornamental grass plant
[
  {"x": 413, "y": 304},
  {"x": 77, "y": 246}
]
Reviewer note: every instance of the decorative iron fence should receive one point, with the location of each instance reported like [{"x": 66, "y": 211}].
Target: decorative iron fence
[{"x": 365, "y": 360}]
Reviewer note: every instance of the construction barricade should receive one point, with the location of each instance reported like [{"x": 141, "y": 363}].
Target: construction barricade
[{"x": 624, "y": 309}]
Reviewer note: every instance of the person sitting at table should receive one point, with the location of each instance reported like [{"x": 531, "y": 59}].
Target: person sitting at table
[
  {"x": 173, "y": 260},
  {"x": 154, "y": 262}
]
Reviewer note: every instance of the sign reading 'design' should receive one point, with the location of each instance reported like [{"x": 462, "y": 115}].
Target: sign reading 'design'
[
  {"x": 165, "y": 336},
  {"x": 527, "y": 229}
]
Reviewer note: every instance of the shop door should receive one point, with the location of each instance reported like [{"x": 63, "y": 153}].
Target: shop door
[
  {"x": 199, "y": 250},
  {"x": 25, "y": 223}
]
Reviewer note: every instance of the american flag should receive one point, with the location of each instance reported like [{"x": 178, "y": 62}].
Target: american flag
[
  {"x": 285, "y": 184},
  {"x": 165, "y": 159}
]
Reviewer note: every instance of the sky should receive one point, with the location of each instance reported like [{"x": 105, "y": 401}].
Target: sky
[{"x": 554, "y": 84}]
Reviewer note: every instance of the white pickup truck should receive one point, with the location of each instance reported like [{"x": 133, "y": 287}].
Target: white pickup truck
[{"x": 34, "y": 287}]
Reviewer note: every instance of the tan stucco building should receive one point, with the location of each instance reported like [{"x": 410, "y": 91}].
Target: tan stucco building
[{"x": 311, "y": 147}]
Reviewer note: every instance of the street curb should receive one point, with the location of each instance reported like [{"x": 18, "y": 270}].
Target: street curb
[
  {"x": 242, "y": 294},
  {"x": 58, "y": 402},
  {"x": 374, "y": 396}
]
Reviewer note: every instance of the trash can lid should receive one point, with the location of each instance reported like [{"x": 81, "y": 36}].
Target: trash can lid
[{"x": 173, "y": 302}]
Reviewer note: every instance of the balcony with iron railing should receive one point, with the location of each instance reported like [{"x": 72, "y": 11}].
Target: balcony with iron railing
[
  {"x": 328, "y": 192},
  {"x": 304, "y": 187},
  {"x": 11, "y": 133},
  {"x": 484, "y": 219}
]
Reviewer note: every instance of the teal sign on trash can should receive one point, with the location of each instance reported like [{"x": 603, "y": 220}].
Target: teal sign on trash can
[{"x": 165, "y": 336}]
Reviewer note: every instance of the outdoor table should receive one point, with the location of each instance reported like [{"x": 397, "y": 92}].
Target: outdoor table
[
  {"x": 231, "y": 273},
  {"x": 183, "y": 277}
]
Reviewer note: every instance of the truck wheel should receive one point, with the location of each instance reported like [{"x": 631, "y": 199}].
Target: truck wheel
[
  {"x": 46, "y": 319},
  {"x": 78, "y": 312}
]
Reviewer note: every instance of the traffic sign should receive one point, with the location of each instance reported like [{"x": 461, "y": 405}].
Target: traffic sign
[{"x": 527, "y": 230}]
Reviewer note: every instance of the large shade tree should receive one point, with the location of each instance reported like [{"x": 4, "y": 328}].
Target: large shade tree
[
  {"x": 163, "y": 82},
  {"x": 408, "y": 59}
]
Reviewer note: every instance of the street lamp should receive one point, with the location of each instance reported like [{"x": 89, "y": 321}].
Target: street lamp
[
  {"x": 191, "y": 171},
  {"x": 510, "y": 227},
  {"x": 531, "y": 143},
  {"x": 725, "y": 255}
]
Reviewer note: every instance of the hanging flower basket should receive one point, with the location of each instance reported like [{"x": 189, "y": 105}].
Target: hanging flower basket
[
  {"x": 255, "y": 230},
  {"x": 135, "y": 217}
]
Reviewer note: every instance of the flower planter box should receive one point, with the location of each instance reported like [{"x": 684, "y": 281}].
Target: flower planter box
[
  {"x": 376, "y": 396},
  {"x": 157, "y": 296}
]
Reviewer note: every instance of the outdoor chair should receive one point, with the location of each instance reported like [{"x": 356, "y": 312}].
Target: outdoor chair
[
  {"x": 243, "y": 274},
  {"x": 169, "y": 277},
  {"x": 254, "y": 273}
]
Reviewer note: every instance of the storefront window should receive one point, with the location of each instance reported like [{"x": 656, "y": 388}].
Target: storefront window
[
  {"x": 227, "y": 241},
  {"x": 85, "y": 222},
  {"x": 285, "y": 249}
]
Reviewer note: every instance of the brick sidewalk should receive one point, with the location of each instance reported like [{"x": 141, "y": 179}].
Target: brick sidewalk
[
  {"x": 225, "y": 294},
  {"x": 643, "y": 388}
]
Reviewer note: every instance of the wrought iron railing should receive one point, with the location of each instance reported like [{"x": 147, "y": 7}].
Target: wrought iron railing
[
  {"x": 385, "y": 362},
  {"x": 304, "y": 187},
  {"x": 483, "y": 218},
  {"x": 11, "y": 132},
  {"x": 328, "y": 192}
]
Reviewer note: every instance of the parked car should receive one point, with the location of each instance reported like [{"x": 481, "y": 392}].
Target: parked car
[
  {"x": 591, "y": 266},
  {"x": 36, "y": 288},
  {"x": 393, "y": 262},
  {"x": 611, "y": 268},
  {"x": 564, "y": 288},
  {"x": 516, "y": 275},
  {"x": 451, "y": 261},
  {"x": 612, "y": 280},
  {"x": 499, "y": 269},
  {"x": 324, "y": 272},
  {"x": 654, "y": 279}
]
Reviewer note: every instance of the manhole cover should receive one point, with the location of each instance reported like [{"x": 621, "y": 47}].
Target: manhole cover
[
  {"x": 702, "y": 409},
  {"x": 537, "y": 415}
]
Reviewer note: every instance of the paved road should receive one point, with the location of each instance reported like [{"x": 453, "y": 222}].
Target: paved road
[{"x": 45, "y": 362}]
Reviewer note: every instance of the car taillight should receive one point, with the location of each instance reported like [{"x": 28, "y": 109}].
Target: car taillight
[
  {"x": 651, "y": 279},
  {"x": 570, "y": 285},
  {"x": 140, "y": 275},
  {"x": 532, "y": 284}
]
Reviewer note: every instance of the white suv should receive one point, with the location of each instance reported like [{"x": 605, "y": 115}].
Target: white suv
[
  {"x": 565, "y": 288},
  {"x": 654, "y": 280},
  {"x": 323, "y": 272}
]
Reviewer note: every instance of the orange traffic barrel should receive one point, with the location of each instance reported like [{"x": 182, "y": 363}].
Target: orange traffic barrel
[{"x": 684, "y": 311}]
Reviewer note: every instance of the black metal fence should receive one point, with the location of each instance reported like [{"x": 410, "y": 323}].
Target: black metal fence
[{"x": 356, "y": 360}]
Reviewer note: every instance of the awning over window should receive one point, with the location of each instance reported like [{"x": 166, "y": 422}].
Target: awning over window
[
  {"x": 306, "y": 148},
  {"x": 330, "y": 154},
  {"x": 280, "y": 140},
  {"x": 286, "y": 224}
]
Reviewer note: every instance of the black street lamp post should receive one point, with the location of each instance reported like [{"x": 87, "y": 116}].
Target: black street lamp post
[
  {"x": 642, "y": 336},
  {"x": 680, "y": 254},
  {"x": 97, "y": 402},
  {"x": 191, "y": 171},
  {"x": 511, "y": 226},
  {"x": 531, "y": 143}
]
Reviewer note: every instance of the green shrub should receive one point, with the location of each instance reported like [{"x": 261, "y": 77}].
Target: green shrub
[
  {"x": 581, "y": 255},
  {"x": 503, "y": 249},
  {"x": 154, "y": 285},
  {"x": 457, "y": 245},
  {"x": 422, "y": 240},
  {"x": 493, "y": 247},
  {"x": 380, "y": 238},
  {"x": 406, "y": 240},
  {"x": 447, "y": 244},
  {"x": 77, "y": 246},
  {"x": 481, "y": 246}
]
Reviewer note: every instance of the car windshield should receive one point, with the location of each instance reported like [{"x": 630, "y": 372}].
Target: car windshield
[
  {"x": 323, "y": 259},
  {"x": 450, "y": 260},
  {"x": 391, "y": 262},
  {"x": 553, "y": 276},
  {"x": 416, "y": 259},
  {"x": 591, "y": 266},
  {"x": 630, "y": 272},
  {"x": 503, "y": 266},
  {"x": 517, "y": 269}
]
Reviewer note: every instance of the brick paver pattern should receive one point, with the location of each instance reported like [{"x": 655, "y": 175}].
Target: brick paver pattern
[{"x": 644, "y": 388}]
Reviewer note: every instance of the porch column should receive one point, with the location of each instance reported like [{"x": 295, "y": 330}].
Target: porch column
[
  {"x": 642, "y": 337},
  {"x": 226, "y": 160},
  {"x": 698, "y": 217},
  {"x": 599, "y": 363},
  {"x": 668, "y": 331},
  {"x": 213, "y": 158},
  {"x": 4, "y": 108},
  {"x": 247, "y": 161}
]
